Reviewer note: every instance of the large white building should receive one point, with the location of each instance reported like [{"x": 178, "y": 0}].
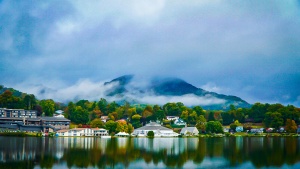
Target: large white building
[
  {"x": 159, "y": 131},
  {"x": 83, "y": 132}
]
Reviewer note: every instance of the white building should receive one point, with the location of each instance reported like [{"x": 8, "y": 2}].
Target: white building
[
  {"x": 189, "y": 131},
  {"x": 104, "y": 118},
  {"x": 159, "y": 131},
  {"x": 179, "y": 122},
  {"x": 100, "y": 132},
  {"x": 83, "y": 132},
  {"x": 172, "y": 118}
]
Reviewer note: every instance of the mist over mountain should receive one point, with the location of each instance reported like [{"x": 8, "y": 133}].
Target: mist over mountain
[
  {"x": 162, "y": 90},
  {"x": 135, "y": 90}
]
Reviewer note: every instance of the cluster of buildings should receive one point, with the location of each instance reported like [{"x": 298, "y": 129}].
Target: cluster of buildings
[{"x": 27, "y": 120}]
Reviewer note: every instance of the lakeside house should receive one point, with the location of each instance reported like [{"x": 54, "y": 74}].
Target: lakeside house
[
  {"x": 239, "y": 129},
  {"x": 261, "y": 130},
  {"x": 122, "y": 134},
  {"x": 88, "y": 132},
  {"x": 104, "y": 119},
  {"x": 226, "y": 129},
  {"x": 269, "y": 130},
  {"x": 179, "y": 122},
  {"x": 159, "y": 131},
  {"x": 172, "y": 118},
  {"x": 189, "y": 131}
]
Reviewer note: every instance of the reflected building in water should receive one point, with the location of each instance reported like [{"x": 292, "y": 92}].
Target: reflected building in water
[
  {"x": 172, "y": 146},
  {"x": 83, "y": 152}
]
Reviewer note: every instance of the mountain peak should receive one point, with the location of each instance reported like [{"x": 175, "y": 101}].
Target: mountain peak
[
  {"x": 123, "y": 80},
  {"x": 169, "y": 88},
  {"x": 172, "y": 86}
]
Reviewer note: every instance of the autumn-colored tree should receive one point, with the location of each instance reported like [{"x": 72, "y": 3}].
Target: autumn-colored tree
[
  {"x": 291, "y": 126},
  {"x": 185, "y": 115},
  {"x": 113, "y": 116},
  {"x": 122, "y": 126}
]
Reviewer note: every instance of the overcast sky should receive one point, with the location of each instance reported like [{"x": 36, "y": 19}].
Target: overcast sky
[{"x": 250, "y": 49}]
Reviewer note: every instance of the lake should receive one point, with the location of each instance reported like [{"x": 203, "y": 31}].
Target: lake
[{"x": 85, "y": 152}]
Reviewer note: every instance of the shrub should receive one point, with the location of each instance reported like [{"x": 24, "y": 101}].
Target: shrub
[{"x": 150, "y": 134}]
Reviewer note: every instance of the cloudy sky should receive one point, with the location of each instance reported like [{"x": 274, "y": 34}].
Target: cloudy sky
[{"x": 250, "y": 49}]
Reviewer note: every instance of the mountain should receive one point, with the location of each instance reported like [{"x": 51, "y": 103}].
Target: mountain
[
  {"x": 172, "y": 89},
  {"x": 121, "y": 87}
]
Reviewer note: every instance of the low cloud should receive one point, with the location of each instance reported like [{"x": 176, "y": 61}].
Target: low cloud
[
  {"x": 188, "y": 100},
  {"x": 93, "y": 91},
  {"x": 83, "y": 89}
]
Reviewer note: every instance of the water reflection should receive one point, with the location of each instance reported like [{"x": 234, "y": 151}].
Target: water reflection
[{"x": 72, "y": 152}]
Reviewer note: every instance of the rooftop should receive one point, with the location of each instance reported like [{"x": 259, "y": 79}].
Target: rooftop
[
  {"x": 189, "y": 129},
  {"x": 153, "y": 126},
  {"x": 54, "y": 119}
]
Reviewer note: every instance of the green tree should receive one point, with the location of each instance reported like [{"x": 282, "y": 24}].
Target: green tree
[
  {"x": 69, "y": 110},
  {"x": 97, "y": 123},
  {"x": 199, "y": 110},
  {"x": 150, "y": 134},
  {"x": 48, "y": 106},
  {"x": 211, "y": 116},
  {"x": 201, "y": 124},
  {"x": 159, "y": 114},
  {"x": 185, "y": 115},
  {"x": 112, "y": 107},
  {"x": 258, "y": 111},
  {"x": 214, "y": 127},
  {"x": 130, "y": 128},
  {"x": 80, "y": 115},
  {"x": 273, "y": 119},
  {"x": 102, "y": 104},
  {"x": 136, "y": 121},
  {"x": 172, "y": 109},
  {"x": 193, "y": 118},
  {"x": 29, "y": 101},
  {"x": 227, "y": 118},
  {"x": 111, "y": 126},
  {"x": 291, "y": 126},
  {"x": 7, "y": 100}
]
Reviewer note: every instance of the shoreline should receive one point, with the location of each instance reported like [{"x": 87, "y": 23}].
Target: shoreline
[{"x": 39, "y": 134}]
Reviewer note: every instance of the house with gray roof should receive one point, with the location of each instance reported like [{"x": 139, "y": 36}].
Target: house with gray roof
[
  {"x": 159, "y": 131},
  {"x": 189, "y": 131}
]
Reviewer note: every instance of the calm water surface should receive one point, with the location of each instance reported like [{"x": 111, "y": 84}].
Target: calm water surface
[{"x": 251, "y": 152}]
